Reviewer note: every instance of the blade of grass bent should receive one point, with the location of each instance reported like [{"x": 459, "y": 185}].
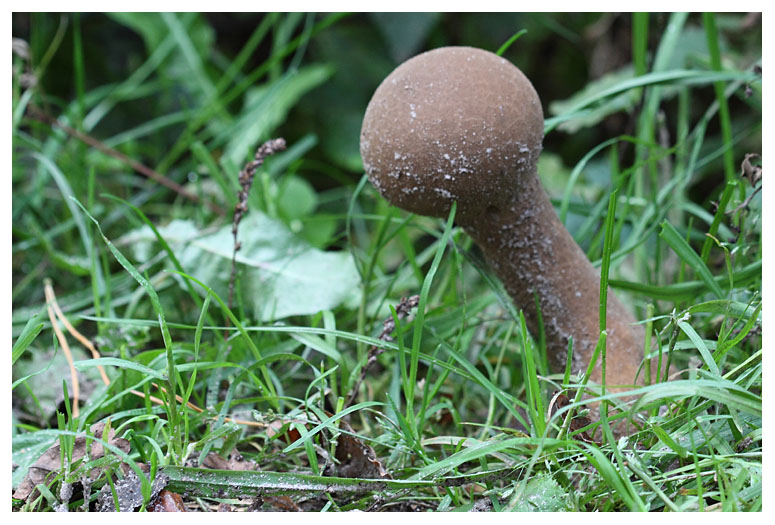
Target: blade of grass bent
[
  {"x": 28, "y": 335},
  {"x": 689, "y": 256},
  {"x": 510, "y": 41}
]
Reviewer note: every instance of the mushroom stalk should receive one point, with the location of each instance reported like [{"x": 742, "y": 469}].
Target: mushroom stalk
[
  {"x": 462, "y": 124},
  {"x": 531, "y": 252}
]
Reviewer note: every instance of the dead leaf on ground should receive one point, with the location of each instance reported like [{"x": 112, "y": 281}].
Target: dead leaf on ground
[
  {"x": 578, "y": 422},
  {"x": 47, "y": 466},
  {"x": 167, "y": 502},
  {"x": 356, "y": 459},
  {"x": 749, "y": 171},
  {"x": 235, "y": 462},
  {"x": 282, "y": 503}
]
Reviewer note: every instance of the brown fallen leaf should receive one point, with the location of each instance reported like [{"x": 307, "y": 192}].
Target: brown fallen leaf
[
  {"x": 356, "y": 459},
  {"x": 282, "y": 503},
  {"x": 167, "y": 502},
  {"x": 578, "y": 422},
  {"x": 49, "y": 464},
  {"x": 752, "y": 174},
  {"x": 235, "y": 462},
  {"x": 749, "y": 171}
]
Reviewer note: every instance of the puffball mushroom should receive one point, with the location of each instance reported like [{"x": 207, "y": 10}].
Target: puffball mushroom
[{"x": 463, "y": 124}]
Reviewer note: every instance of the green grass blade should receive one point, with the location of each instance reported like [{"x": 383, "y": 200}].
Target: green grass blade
[
  {"x": 507, "y": 44},
  {"x": 211, "y": 483},
  {"x": 671, "y": 236},
  {"x": 420, "y": 317},
  {"x": 683, "y": 77},
  {"x": 120, "y": 363},
  {"x": 329, "y": 423},
  {"x": 689, "y": 289},
  {"x": 712, "y": 35},
  {"x": 28, "y": 335},
  {"x": 166, "y": 337},
  {"x": 269, "y": 385},
  {"x": 717, "y": 390},
  {"x": 707, "y": 358},
  {"x": 530, "y": 374}
]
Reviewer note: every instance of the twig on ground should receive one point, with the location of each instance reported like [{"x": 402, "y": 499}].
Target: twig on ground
[
  {"x": 52, "y": 302},
  {"x": 270, "y": 147},
  {"x": 40, "y": 115},
  {"x": 403, "y": 309},
  {"x": 63, "y": 343}
]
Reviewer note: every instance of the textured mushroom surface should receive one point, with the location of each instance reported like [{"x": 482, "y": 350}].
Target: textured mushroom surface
[
  {"x": 462, "y": 124},
  {"x": 437, "y": 131}
]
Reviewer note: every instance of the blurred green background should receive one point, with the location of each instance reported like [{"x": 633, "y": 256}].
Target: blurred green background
[
  {"x": 158, "y": 86},
  {"x": 561, "y": 53}
]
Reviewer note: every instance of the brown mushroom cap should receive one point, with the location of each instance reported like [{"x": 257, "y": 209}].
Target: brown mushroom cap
[{"x": 452, "y": 124}]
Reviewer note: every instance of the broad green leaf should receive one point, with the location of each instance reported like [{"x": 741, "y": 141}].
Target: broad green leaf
[
  {"x": 297, "y": 198},
  {"x": 280, "y": 274},
  {"x": 47, "y": 369},
  {"x": 25, "y": 450},
  {"x": 621, "y": 102}
]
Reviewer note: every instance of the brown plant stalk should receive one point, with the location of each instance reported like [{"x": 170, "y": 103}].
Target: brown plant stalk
[
  {"x": 270, "y": 147},
  {"x": 403, "y": 309}
]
